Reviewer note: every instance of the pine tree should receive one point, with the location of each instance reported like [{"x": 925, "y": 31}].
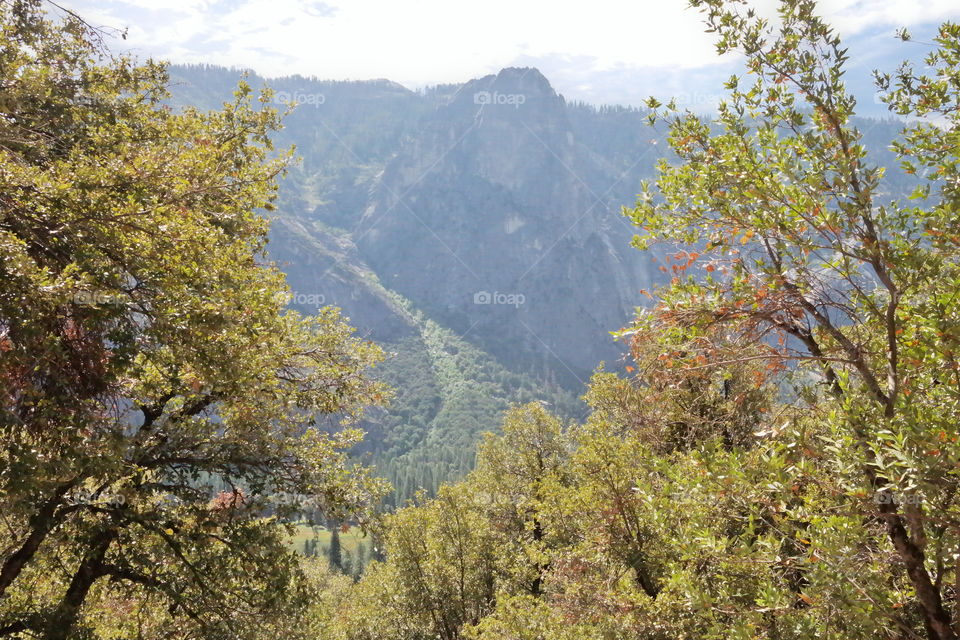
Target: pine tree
[
  {"x": 361, "y": 560},
  {"x": 336, "y": 553}
]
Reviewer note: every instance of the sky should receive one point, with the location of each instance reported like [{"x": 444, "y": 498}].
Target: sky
[{"x": 601, "y": 52}]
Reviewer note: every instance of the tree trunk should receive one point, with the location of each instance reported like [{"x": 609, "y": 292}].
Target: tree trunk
[
  {"x": 90, "y": 570},
  {"x": 536, "y": 588},
  {"x": 935, "y": 616},
  {"x": 42, "y": 523}
]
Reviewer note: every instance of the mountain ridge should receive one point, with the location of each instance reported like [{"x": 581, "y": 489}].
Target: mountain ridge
[{"x": 488, "y": 211}]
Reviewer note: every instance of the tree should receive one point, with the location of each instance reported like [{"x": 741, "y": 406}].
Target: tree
[
  {"x": 361, "y": 561},
  {"x": 335, "y": 553},
  {"x": 517, "y": 469},
  {"x": 146, "y": 356},
  {"x": 781, "y": 461},
  {"x": 447, "y": 558},
  {"x": 444, "y": 558},
  {"x": 439, "y": 576},
  {"x": 782, "y": 218}
]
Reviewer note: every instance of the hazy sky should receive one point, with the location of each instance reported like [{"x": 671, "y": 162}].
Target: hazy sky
[{"x": 602, "y": 51}]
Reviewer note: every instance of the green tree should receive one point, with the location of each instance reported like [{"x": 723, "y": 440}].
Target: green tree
[
  {"x": 439, "y": 576},
  {"x": 516, "y": 470},
  {"x": 785, "y": 227},
  {"x": 361, "y": 560},
  {"x": 447, "y": 558},
  {"x": 444, "y": 557},
  {"x": 779, "y": 463},
  {"x": 335, "y": 553},
  {"x": 146, "y": 356}
]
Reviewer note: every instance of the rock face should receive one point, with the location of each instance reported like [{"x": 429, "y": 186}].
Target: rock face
[
  {"x": 475, "y": 231},
  {"x": 324, "y": 269},
  {"x": 493, "y": 207},
  {"x": 499, "y": 222}
]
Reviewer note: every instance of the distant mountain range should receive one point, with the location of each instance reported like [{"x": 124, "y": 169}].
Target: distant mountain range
[{"x": 482, "y": 219}]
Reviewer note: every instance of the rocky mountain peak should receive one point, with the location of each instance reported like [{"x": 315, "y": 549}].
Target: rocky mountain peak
[{"x": 515, "y": 93}]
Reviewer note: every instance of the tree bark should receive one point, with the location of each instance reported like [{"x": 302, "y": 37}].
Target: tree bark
[
  {"x": 536, "y": 588},
  {"x": 42, "y": 523},
  {"x": 91, "y": 569},
  {"x": 935, "y": 617}
]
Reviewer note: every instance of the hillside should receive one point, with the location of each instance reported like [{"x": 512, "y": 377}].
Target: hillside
[{"x": 475, "y": 231}]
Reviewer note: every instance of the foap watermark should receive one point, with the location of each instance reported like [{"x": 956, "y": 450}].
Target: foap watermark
[
  {"x": 511, "y": 299},
  {"x": 297, "y": 501},
  {"x": 302, "y": 298},
  {"x": 98, "y": 298},
  {"x": 497, "y": 98},
  {"x": 892, "y": 497},
  {"x": 697, "y": 98},
  {"x": 87, "y": 497},
  {"x": 298, "y": 98}
]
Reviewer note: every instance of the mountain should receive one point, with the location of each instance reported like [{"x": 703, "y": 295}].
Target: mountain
[
  {"x": 493, "y": 206},
  {"x": 475, "y": 231},
  {"x": 499, "y": 222}
]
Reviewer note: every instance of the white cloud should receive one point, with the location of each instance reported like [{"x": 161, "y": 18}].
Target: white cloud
[
  {"x": 432, "y": 41},
  {"x": 855, "y": 16}
]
